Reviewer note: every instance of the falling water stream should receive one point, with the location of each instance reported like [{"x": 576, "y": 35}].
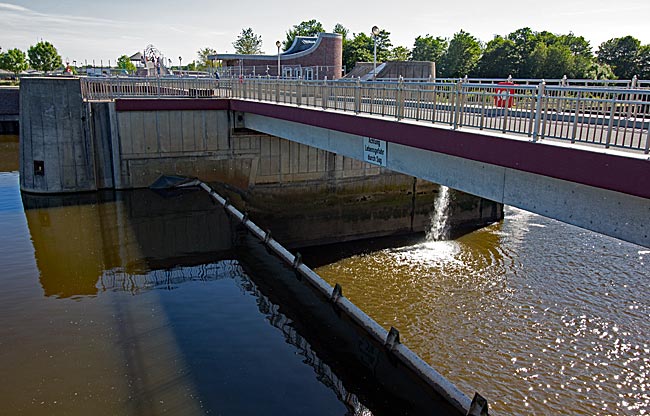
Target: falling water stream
[{"x": 439, "y": 230}]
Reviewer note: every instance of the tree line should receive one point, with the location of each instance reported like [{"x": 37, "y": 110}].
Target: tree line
[
  {"x": 43, "y": 57},
  {"x": 523, "y": 53}
]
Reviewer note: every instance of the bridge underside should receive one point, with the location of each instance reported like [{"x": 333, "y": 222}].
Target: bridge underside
[{"x": 579, "y": 196}]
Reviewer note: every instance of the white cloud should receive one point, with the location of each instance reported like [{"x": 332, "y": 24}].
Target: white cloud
[{"x": 13, "y": 7}]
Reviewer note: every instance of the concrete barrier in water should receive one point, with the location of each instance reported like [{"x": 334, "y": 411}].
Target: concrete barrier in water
[{"x": 453, "y": 399}]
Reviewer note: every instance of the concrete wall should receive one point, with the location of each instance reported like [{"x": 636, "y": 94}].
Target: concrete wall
[
  {"x": 57, "y": 153},
  {"x": 9, "y": 110},
  {"x": 193, "y": 143},
  {"x": 306, "y": 195}
]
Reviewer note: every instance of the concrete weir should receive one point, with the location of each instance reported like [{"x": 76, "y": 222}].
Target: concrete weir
[{"x": 70, "y": 145}]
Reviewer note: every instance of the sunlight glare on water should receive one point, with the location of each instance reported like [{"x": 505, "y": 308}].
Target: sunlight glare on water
[{"x": 538, "y": 316}]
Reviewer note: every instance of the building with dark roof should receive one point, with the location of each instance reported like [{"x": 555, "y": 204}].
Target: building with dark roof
[{"x": 308, "y": 58}]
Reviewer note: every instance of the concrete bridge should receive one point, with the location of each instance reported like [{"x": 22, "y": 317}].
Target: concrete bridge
[{"x": 579, "y": 155}]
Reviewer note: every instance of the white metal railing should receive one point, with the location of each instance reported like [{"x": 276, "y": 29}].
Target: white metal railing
[{"x": 606, "y": 116}]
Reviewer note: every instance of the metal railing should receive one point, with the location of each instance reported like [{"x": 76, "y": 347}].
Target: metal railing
[{"x": 617, "y": 117}]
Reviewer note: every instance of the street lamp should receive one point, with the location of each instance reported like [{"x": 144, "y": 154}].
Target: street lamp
[
  {"x": 278, "y": 43},
  {"x": 180, "y": 65},
  {"x": 375, "y": 32}
]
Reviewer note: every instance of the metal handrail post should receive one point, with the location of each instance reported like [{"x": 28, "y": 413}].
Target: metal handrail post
[
  {"x": 299, "y": 92},
  {"x": 399, "y": 99},
  {"x": 538, "y": 109},
  {"x": 506, "y": 110},
  {"x": 357, "y": 96},
  {"x": 610, "y": 123},
  {"x": 632, "y": 98},
  {"x": 483, "y": 99},
  {"x": 457, "y": 104},
  {"x": 324, "y": 98},
  {"x": 574, "y": 128},
  {"x": 419, "y": 103}
]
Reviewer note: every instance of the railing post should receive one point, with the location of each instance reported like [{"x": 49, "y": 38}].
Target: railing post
[
  {"x": 564, "y": 83},
  {"x": 277, "y": 89},
  {"x": 357, "y": 96},
  {"x": 610, "y": 123},
  {"x": 324, "y": 97},
  {"x": 299, "y": 92},
  {"x": 419, "y": 103},
  {"x": 631, "y": 98},
  {"x": 574, "y": 128},
  {"x": 538, "y": 109},
  {"x": 457, "y": 103},
  {"x": 483, "y": 99},
  {"x": 400, "y": 102}
]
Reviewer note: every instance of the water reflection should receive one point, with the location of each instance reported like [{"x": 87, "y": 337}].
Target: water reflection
[
  {"x": 146, "y": 311},
  {"x": 78, "y": 237},
  {"x": 541, "y": 317},
  {"x": 9, "y": 153}
]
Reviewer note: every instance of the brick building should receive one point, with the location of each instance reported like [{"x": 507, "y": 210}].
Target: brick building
[{"x": 308, "y": 57}]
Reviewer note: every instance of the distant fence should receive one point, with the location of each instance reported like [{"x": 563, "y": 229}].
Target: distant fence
[{"x": 609, "y": 116}]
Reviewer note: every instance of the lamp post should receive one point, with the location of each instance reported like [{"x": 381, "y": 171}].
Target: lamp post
[
  {"x": 180, "y": 65},
  {"x": 277, "y": 43},
  {"x": 375, "y": 32}
]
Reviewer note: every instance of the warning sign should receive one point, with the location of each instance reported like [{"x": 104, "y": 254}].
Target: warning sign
[{"x": 374, "y": 151}]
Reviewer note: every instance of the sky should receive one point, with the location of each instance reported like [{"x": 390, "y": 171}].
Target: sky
[{"x": 104, "y": 30}]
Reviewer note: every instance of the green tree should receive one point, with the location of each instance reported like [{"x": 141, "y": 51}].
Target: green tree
[
  {"x": 499, "y": 59},
  {"x": 357, "y": 49},
  {"x": 525, "y": 42},
  {"x": 361, "y": 49},
  {"x": 44, "y": 57},
  {"x": 399, "y": 53},
  {"x": 643, "y": 57},
  {"x": 599, "y": 71},
  {"x": 536, "y": 61},
  {"x": 204, "y": 61},
  {"x": 428, "y": 48},
  {"x": 578, "y": 45},
  {"x": 622, "y": 54},
  {"x": 14, "y": 60},
  {"x": 341, "y": 30},
  {"x": 559, "y": 62},
  {"x": 308, "y": 28},
  {"x": 462, "y": 56},
  {"x": 123, "y": 62},
  {"x": 248, "y": 43}
]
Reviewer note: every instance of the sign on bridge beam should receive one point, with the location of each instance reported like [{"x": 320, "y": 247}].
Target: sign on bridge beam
[{"x": 374, "y": 151}]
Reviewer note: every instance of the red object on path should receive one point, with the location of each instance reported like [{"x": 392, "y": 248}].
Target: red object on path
[{"x": 504, "y": 95}]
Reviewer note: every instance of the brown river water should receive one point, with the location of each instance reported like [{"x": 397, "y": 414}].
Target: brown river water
[{"x": 101, "y": 315}]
